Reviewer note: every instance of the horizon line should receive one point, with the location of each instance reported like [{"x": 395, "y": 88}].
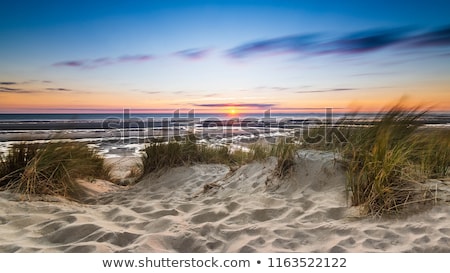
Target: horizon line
[{"x": 187, "y": 111}]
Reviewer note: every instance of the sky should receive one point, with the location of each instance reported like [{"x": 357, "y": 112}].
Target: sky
[{"x": 223, "y": 56}]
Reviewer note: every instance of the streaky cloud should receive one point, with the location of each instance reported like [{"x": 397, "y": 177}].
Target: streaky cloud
[
  {"x": 101, "y": 62},
  {"x": 364, "y": 41},
  {"x": 46, "y": 90},
  {"x": 8, "y": 83},
  {"x": 353, "y": 43},
  {"x": 438, "y": 37},
  {"x": 211, "y": 95},
  {"x": 9, "y": 89},
  {"x": 272, "y": 88},
  {"x": 250, "y": 105},
  {"x": 105, "y": 61},
  {"x": 59, "y": 89},
  {"x": 135, "y": 58},
  {"x": 193, "y": 53},
  {"x": 71, "y": 63},
  {"x": 150, "y": 92},
  {"x": 326, "y": 90},
  {"x": 15, "y": 91},
  {"x": 299, "y": 43}
]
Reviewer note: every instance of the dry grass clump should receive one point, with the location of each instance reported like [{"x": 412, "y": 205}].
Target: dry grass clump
[
  {"x": 388, "y": 157},
  {"x": 162, "y": 155},
  {"x": 259, "y": 152},
  {"x": 432, "y": 152},
  {"x": 135, "y": 172},
  {"x": 285, "y": 153},
  {"x": 50, "y": 168},
  {"x": 381, "y": 162}
]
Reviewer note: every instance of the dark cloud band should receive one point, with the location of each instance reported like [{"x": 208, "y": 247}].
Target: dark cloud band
[
  {"x": 353, "y": 43},
  {"x": 59, "y": 89},
  {"x": 250, "y": 105},
  {"x": 326, "y": 90},
  {"x": 193, "y": 53},
  {"x": 99, "y": 62},
  {"x": 15, "y": 91}
]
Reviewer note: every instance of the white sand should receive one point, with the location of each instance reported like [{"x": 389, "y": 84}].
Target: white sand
[{"x": 208, "y": 208}]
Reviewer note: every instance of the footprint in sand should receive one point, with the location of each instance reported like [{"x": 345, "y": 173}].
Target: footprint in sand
[
  {"x": 186, "y": 208},
  {"x": 120, "y": 239},
  {"x": 162, "y": 213},
  {"x": 445, "y": 231},
  {"x": 348, "y": 242},
  {"x": 376, "y": 244},
  {"x": 285, "y": 244},
  {"x": 422, "y": 240},
  {"x": 208, "y": 217},
  {"x": 263, "y": 215},
  {"x": 247, "y": 249},
  {"x": 416, "y": 229},
  {"x": 258, "y": 242},
  {"x": 215, "y": 245},
  {"x": 158, "y": 225},
  {"x": 72, "y": 234},
  {"x": 50, "y": 226},
  {"x": 142, "y": 209},
  {"x": 337, "y": 249},
  {"x": 80, "y": 249},
  {"x": 233, "y": 206}
]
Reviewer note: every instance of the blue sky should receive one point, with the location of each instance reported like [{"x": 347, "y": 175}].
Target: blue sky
[{"x": 216, "y": 55}]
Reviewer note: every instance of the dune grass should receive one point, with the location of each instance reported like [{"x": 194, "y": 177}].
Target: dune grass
[
  {"x": 259, "y": 152},
  {"x": 382, "y": 160},
  {"x": 432, "y": 153},
  {"x": 160, "y": 155},
  {"x": 50, "y": 168},
  {"x": 285, "y": 153},
  {"x": 163, "y": 155},
  {"x": 387, "y": 159}
]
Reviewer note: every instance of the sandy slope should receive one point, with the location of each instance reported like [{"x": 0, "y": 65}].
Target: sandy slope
[{"x": 209, "y": 208}]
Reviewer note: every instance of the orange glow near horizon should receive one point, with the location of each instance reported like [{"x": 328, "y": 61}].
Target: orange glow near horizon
[
  {"x": 232, "y": 113},
  {"x": 437, "y": 99}
]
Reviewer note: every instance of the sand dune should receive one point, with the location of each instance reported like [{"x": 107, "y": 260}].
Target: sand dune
[{"x": 210, "y": 208}]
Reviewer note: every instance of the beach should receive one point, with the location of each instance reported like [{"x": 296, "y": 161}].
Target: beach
[
  {"x": 212, "y": 208},
  {"x": 225, "y": 127}
]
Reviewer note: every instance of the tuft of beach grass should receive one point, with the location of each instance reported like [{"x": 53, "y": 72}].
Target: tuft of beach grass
[
  {"x": 432, "y": 153},
  {"x": 380, "y": 160},
  {"x": 50, "y": 168},
  {"x": 160, "y": 155},
  {"x": 285, "y": 153}
]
